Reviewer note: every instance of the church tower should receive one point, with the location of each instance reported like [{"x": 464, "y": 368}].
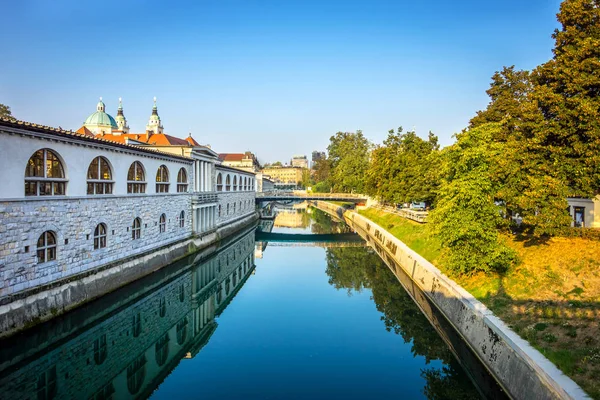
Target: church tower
[
  {"x": 154, "y": 123},
  {"x": 121, "y": 120}
]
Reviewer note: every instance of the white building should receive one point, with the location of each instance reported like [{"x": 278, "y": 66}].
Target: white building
[{"x": 82, "y": 205}]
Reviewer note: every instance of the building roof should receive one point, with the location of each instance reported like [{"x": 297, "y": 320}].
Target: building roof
[
  {"x": 156, "y": 139},
  {"x": 29, "y": 126},
  {"x": 231, "y": 156},
  {"x": 85, "y": 131},
  {"x": 100, "y": 117}
]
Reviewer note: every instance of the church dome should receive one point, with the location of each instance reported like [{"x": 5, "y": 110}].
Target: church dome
[{"x": 101, "y": 118}]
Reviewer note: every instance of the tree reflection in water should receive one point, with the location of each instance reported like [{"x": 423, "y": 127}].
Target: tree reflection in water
[{"x": 356, "y": 269}]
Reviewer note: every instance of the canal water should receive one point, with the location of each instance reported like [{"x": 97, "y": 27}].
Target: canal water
[{"x": 316, "y": 316}]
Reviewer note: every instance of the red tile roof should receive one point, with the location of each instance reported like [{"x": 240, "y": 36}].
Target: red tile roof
[
  {"x": 85, "y": 131},
  {"x": 231, "y": 156},
  {"x": 156, "y": 139}
]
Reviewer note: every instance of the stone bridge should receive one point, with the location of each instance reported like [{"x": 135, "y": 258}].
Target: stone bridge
[{"x": 301, "y": 195}]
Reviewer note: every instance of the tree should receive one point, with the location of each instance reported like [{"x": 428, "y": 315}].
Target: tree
[
  {"x": 306, "y": 179},
  {"x": 5, "y": 111},
  {"x": 404, "y": 168},
  {"x": 276, "y": 164},
  {"x": 349, "y": 160},
  {"x": 567, "y": 94},
  {"x": 467, "y": 218}
]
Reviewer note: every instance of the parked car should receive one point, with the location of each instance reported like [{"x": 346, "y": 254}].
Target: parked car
[{"x": 418, "y": 206}]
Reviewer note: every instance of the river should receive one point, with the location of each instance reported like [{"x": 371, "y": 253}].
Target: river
[{"x": 310, "y": 317}]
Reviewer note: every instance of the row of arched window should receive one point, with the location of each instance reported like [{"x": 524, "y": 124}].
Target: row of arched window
[
  {"x": 231, "y": 207},
  {"x": 45, "y": 176},
  {"x": 243, "y": 184},
  {"x": 47, "y": 244}
]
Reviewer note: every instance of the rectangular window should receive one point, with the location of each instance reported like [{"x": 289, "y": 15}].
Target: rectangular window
[{"x": 579, "y": 217}]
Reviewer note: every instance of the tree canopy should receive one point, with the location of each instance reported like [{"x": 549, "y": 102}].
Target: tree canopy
[{"x": 5, "y": 111}]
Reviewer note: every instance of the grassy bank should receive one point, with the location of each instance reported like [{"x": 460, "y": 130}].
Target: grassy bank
[{"x": 551, "y": 299}]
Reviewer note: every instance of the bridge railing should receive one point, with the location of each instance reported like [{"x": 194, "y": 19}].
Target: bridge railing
[{"x": 300, "y": 194}]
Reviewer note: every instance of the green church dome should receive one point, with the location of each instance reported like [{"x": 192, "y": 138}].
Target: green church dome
[{"x": 100, "y": 117}]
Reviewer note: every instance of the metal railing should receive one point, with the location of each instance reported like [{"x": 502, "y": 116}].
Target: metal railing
[{"x": 418, "y": 216}]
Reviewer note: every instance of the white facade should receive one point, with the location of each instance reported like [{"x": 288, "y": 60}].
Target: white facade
[{"x": 91, "y": 231}]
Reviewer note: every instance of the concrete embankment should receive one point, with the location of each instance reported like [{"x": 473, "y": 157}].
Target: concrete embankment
[
  {"x": 42, "y": 303},
  {"x": 522, "y": 371}
]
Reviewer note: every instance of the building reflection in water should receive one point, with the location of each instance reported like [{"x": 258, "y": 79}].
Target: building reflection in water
[{"x": 125, "y": 344}]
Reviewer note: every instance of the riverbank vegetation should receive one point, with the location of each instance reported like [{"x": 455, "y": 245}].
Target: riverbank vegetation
[
  {"x": 510, "y": 171},
  {"x": 551, "y": 297}
]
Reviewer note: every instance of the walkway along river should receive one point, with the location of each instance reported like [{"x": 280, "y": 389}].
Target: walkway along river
[{"x": 308, "y": 321}]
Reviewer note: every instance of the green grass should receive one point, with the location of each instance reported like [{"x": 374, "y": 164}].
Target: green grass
[{"x": 413, "y": 234}]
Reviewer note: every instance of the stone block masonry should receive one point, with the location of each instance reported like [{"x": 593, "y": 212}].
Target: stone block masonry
[{"x": 73, "y": 221}]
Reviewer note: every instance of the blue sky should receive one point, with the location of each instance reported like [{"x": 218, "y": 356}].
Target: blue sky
[{"x": 274, "y": 77}]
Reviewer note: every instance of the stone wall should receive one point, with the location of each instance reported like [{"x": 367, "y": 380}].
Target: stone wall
[
  {"x": 233, "y": 205},
  {"x": 74, "y": 220}
]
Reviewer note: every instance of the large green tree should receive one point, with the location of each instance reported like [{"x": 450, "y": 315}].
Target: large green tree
[
  {"x": 467, "y": 216},
  {"x": 5, "y": 111},
  {"x": 567, "y": 94},
  {"x": 349, "y": 160}
]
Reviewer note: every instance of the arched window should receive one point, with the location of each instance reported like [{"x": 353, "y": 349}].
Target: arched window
[
  {"x": 46, "y": 247},
  {"x": 100, "y": 351},
  {"x": 234, "y": 183},
  {"x": 100, "y": 237},
  {"x": 182, "y": 219},
  {"x": 162, "y": 223},
  {"x": 161, "y": 349},
  {"x": 182, "y": 182},
  {"x": 136, "y": 229},
  {"x": 44, "y": 175},
  {"x": 136, "y": 372},
  {"x": 219, "y": 182},
  {"x": 162, "y": 180},
  {"x": 136, "y": 180},
  {"x": 182, "y": 331},
  {"x": 228, "y": 183},
  {"x": 99, "y": 177}
]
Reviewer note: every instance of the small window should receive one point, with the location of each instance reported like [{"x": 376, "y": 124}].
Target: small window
[
  {"x": 100, "y": 237},
  {"x": 182, "y": 219},
  {"x": 182, "y": 182},
  {"x": 162, "y": 180},
  {"x": 136, "y": 229},
  {"x": 219, "y": 182},
  {"x": 136, "y": 322},
  {"x": 161, "y": 349},
  {"x": 234, "y": 208},
  {"x": 219, "y": 210},
  {"x": 162, "y": 307},
  {"x": 136, "y": 373},
  {"x": 99, "y": 177},
  {"x": 44, "y": 175},
  {"x": 181, "y": 293},
  {"x": 46, "y": 247},
  {"x": 162, "y": 223},
  {"x": 100, "y": 351},
  {"x": 136, "y": 179},
  {"x": 182, "y": 331},
  {"x": 46, "y": 384},
  {"x": 227, "y": 209}
]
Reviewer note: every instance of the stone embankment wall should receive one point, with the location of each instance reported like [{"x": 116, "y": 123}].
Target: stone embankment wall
[
  {"x": 40, "y": 303},
  {"x": 522, "y": 371}
]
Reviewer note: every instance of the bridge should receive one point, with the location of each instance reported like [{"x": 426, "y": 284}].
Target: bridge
[
  {"x": 302, "y": 195},
  {"x": 308, "y": 238}
]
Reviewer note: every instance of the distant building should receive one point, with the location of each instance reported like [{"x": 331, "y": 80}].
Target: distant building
[
  {"x": 318, "y": 155},
  {"x": 287, "y": 175},
  {"x": 246, "y": 161},
  {"x": 299, "y": 161}
]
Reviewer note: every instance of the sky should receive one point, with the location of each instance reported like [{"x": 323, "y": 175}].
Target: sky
[{"x": 277, "y": 78}]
